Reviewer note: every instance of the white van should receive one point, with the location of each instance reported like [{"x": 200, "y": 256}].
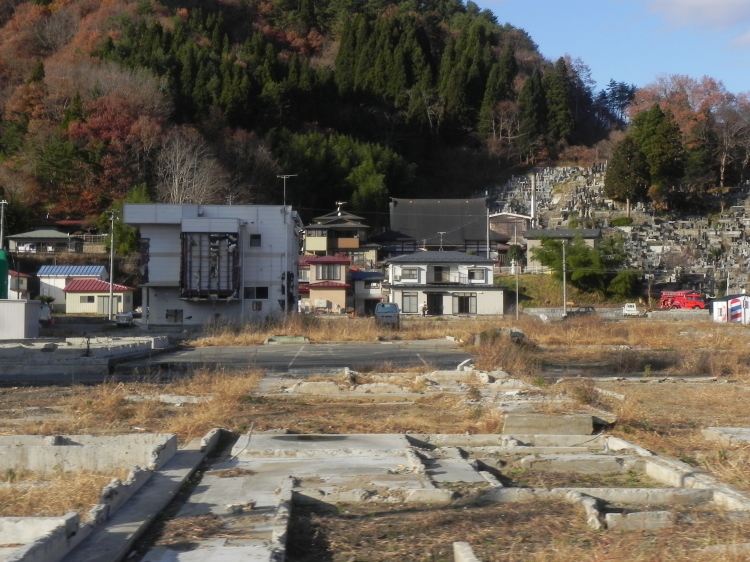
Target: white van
[{"x": 387, "y": 313}]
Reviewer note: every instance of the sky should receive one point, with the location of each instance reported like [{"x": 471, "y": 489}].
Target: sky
[{"x": 636, "y": 41}]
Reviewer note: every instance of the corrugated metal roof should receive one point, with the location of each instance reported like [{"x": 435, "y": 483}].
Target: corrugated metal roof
[
  {"x": 325, "y": 259},
  {"x": 93, "y": 286},
  {"x": 440, "y": 257},
  {"x": 328, "y": 285},
  {"x": 72, "y": 270},
  {"x": 458, "y": 219},
  {"x": 17, "y": 274}
]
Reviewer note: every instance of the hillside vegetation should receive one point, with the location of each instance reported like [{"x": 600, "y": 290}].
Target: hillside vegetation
[{"x": 209, "y": 101}]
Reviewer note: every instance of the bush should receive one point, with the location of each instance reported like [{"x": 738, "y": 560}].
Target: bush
[{"x": 622, "y": 221}]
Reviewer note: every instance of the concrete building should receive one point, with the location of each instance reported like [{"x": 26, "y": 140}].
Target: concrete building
[
  {"x": 203, "y": 263},
  {"x": 447, "y": 282},
  {"x": 91, "y": 296},
  {"x": 54, "y": 278}
]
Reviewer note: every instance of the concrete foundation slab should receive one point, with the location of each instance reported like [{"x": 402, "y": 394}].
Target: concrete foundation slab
[
  {"x": 639, "y": 521},
  {"x": 583, "y": 464},
  {"x": 293, "y": 445},
  {"x": 535, "y": 424}
]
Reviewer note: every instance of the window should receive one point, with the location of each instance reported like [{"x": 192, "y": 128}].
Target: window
[
  {"x": 256, "y": 293},
  {"x": 317, "y": 233},
  {"x": 464, "y": 303},
  {"x": 255, "y": 240},
  {"x": 409, "y": 302},
  {"x": 327, "y": 272},
  {"x": 476, "y": 275},
  {"x": 87, "y": 299},
  {"x": 174, "y": 315},
  {"x": 410, "y": 273},
  {"x": 372, "y": 284},
  {"x": 127, "y": 299},
  {"x": 303, "y": 275}
]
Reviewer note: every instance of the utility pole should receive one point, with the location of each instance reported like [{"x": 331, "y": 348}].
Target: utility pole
[
  {"x": 284, "y": 177},
  {"x": 515, "y": 245},
  {"x": 285, "y": 269},
  {"x": 112, "y": 216},
  {"x": 487, "y": 202},
  {"x": 3, "y": 203},
  {"x": 565, "y": 288},
  {"x": 441, "y": 240}
]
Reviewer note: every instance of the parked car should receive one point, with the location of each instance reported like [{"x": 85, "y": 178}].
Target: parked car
[
  {"x": 124, "y": 318},
  {"x": 581, "y": 311},
  {"x": 387, "y": 313}
]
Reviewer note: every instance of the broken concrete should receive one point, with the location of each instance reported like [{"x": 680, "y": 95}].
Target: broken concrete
[
  {"x": 639, "y": 521},
  {"x": 727, "y": 435},
  {"x": 536, "y": 424}
]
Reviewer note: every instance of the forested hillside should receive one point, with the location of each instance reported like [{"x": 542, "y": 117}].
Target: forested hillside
[{"x": 107, "y": 100}]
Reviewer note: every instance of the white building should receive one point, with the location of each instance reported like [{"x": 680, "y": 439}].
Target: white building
[
  {"x": 18, "y": 285},
  {"x": 204, "y": 263},
  {"x": 447, "y": 282},
  {"x": 54, "y": 278}
]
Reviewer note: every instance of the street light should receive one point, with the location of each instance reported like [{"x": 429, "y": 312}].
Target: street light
[{"x": 112, "y": 216}]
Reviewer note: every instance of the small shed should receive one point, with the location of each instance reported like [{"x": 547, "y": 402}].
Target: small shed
[
  {"x": 91, "y": 296},
  {"x": 54, "y": 278},
  {"x": 19, "y": 319},
  {"x": 18, "y": 285},
  {"x": 732, "y": 308}
]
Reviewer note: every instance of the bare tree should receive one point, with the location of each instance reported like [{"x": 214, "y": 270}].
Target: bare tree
[{"x": 187, "y": 170}]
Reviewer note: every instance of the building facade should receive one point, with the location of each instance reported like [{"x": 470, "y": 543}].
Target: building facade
[
  {"x": 54, "y": 278},
  {"x": 208, "y": 263},
  {"x": 91, "y": 296},
  {"x": 446, "y": 283}
]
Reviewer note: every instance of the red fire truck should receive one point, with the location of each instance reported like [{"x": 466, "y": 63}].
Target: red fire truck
[{"x": 681, "y": 299}]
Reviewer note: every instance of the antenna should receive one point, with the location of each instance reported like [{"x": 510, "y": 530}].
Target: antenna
[{"x": 338, "y": 209}]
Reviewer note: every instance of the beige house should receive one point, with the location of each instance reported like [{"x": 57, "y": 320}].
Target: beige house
[
  {"x": 91, "y": 296},
  {"x": 327, "y": 289}
]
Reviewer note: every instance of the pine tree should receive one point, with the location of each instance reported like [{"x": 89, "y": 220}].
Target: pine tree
[
  {"x": 627, "y": 176},
  {"x": 557, "y": 90},
  {"x": 532, "y": 106}
]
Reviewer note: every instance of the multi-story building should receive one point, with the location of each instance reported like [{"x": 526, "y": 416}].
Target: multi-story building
[
  {"x": 445, "y": 282},
  {"x": 208, "y": 263}
]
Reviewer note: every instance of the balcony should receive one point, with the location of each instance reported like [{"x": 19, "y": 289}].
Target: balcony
[{"x": 445, "y": 277}]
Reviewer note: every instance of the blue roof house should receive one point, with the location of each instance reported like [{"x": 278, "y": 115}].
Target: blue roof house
[{"x": 54, "y": 278}]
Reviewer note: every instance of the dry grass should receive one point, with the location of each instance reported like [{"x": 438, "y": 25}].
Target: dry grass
[
  {"x": 53, "y": 495},
  {"x": 509, "y": 532}
]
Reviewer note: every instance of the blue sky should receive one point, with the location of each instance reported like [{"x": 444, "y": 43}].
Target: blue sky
[{"x": 635, "y": 41}]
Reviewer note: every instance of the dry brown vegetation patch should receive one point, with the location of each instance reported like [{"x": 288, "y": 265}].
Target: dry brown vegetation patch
[{"x": 55, "y": 494}]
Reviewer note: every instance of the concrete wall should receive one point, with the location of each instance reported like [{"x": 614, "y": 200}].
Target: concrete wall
[
  {"x": 103, "y": 454},
  {"x": 19, "y": 319}
]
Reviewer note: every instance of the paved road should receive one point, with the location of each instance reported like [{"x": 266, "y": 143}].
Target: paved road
[{"x": 442, "y": 354}]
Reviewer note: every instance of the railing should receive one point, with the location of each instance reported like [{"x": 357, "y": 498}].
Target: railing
[{"x": 445, "y": 277}]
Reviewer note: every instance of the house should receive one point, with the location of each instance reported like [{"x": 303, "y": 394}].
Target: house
[
  {"x": 340, "y": 233},
  {"x": 368, "y": 291},
  {"x": 534, "y": 237},
  {"x": 447, "y": 282},
  {"x": 444, "y": 224},
  {"x": 326, "y": 289},
  {"x": 203, "y": 263},
  {"x": 18, "y": 285},
  {"x": 45, "y": 242},
  {"x": 54, "y": 278},
  {"x": 91, "y": 296}
]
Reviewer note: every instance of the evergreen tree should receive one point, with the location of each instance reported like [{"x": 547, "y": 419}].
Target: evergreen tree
[
  {"x": 660, "y": 140},
  {"x": 557, "y": 91},
  {"x": 627, "y": 176},
  {"x": 532, "y": 106}
]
